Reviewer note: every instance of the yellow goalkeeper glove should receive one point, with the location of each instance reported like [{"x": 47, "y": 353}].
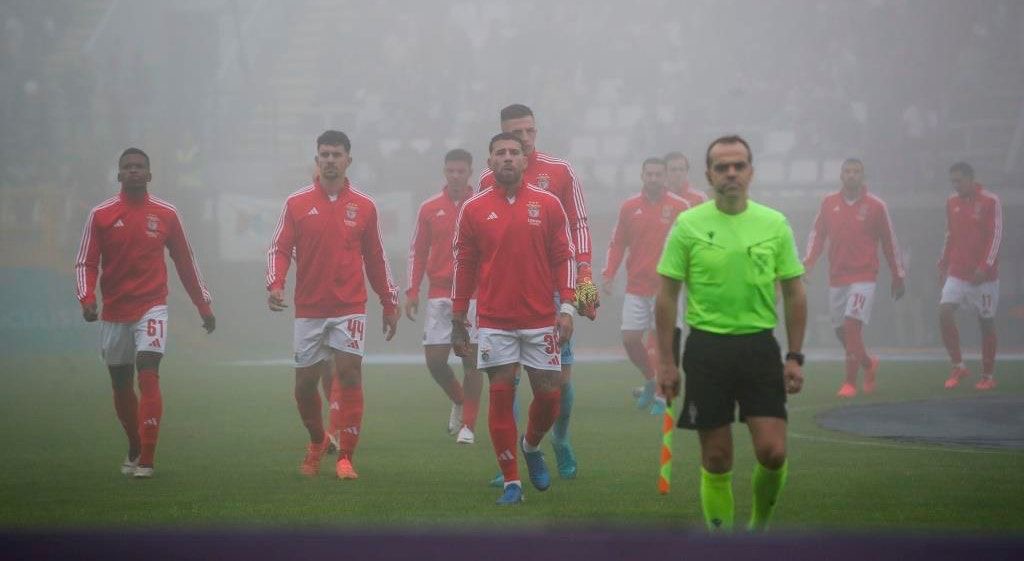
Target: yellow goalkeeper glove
[{"x": 587, "y": 299}]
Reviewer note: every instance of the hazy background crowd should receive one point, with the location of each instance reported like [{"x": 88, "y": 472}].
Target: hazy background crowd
[{"x": 227, "y": 97}]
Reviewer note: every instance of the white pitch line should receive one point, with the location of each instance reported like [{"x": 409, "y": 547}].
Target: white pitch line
[{"x": 876, "y": 444}]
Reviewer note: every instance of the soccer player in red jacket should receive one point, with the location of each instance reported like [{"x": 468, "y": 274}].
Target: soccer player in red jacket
[
  {"x": 332, "y": 230},
  {"x": 854, "y": 222},
  {"x": 678, "y": 181},
  {"x": 513, "y": 248},
  {"x": 969, "y": 270},
  {"x": 125, "y": 237},
  {"x": 430, "y": 253},
  {"x": 557, "y": 177},
  {"x": 644, "y": 221}
]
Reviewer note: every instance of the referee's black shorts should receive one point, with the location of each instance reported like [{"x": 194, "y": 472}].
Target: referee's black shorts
[{"x": 725, "y": 370}]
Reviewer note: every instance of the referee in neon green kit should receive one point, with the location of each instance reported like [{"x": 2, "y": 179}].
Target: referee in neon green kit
[{"x": 730, "y": 252}]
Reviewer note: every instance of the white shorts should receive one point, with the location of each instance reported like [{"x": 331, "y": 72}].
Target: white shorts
[
  {"x": 437, "y": 322},
  {"x": 536, "y": 348},
  {"x": 315, "y": 337},
  {"x": 637, "y": 312},
  {"x": 851, "y": 301},
  {"x": 120, "y": 342},
  {"x": 984, "y": 297}
]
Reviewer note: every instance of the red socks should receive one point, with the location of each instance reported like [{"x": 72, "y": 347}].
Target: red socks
[
  {"x": 502, "y": 425},
  {"x": 151, "y": 409},
  {"x": 308, "y": 401},
  {"x": 126, "y": 404},
  {"x": 543, "y": 412},
  {"x": 350, "y": 419},
  {"x": 988, "y": 352}
]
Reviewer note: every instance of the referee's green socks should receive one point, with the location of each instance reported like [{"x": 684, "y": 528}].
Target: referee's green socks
[
  {"x": 716, "y": 500},
  {"x": 767, "y": 486}
]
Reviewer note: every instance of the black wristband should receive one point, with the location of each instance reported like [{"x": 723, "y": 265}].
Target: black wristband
[{"x": 798, "y": 357}]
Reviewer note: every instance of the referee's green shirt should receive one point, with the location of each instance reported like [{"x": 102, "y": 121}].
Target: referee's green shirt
[{"x": 729, "y": 264}]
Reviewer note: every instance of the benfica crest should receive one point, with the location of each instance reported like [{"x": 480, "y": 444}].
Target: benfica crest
[
  {"x": 152, "y": 223},
  {"x": 351, "y": 212},
  {"x": 544, "y": 181},
  {"x": 533, "y": 212}
]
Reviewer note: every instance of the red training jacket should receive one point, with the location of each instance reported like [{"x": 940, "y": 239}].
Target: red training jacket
[
  {"x": 333, "y": 242},
  {"x": 855, "y": 230},
  {"x": 126, "y": 238},
  {"x": 642, "y": 227},
  {"x": 430, "y": 250},
  {"x": 692, "y": 196},
  {"x": 557, "y": 176},
  {"x": 516, "y": 255},
  {"x": 974, "y": 230}
]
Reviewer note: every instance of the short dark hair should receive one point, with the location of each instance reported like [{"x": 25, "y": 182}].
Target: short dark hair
[
  {"x": 672, "y": 156},
  {"x": 458, "y": 155},
  {"x": 653, "y": 161},
  {"x": 334, "y": 138},
  {"x": 963, "y": 168},
  {"x": 515, "y": 111},
  {"x": 849, "y": 161},
  {"x": 133, "y": 150},
  {"x": 504, "y": 136},
  {"x": 729, "y": 139}
]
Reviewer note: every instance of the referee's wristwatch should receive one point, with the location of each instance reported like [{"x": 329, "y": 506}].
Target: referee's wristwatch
[{"x": 798, "y": 357}]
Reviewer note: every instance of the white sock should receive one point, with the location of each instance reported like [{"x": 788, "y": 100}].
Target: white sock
[
  {"x": 528, "y": 448},
  {"x": 516, "y": 482}
]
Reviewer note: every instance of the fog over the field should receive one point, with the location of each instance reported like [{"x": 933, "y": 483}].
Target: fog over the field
[{"x": 227, "y": 98}]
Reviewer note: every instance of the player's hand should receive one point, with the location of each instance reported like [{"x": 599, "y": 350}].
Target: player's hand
[
  {"x": 899, "y": 288},
  {"x": 669, "y": 380},
  {"x": 564, "y": 326},
  {"x": 978, "y": 277},
  {"x": 89, "y": 313},
  {"x": 606, "y": 286},
  {"x": 209, "y": 323},
  {"x": 276, "y": 300},
  {"x": 391, "y": 324},
  {"x": 460, "y": 338},
  {"x": 793, "y": 374},
  {"x": 412, "y": 306}
]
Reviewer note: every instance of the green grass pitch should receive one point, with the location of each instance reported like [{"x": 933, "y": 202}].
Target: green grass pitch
[{"x": 231, "y": 443}]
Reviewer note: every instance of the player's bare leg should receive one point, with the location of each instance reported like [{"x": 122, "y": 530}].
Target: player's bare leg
[
  {"x": 307, "y": 399},
  {"x": 437, "y": 364},
  {"x": 988, "y": 354},
  {"x": 857, "y": 357},
  {"x": 350, "y": 378},
  {"x": 472, "y": 386},
  {"x": 633, "y": 342},
  {"x": 126, "y": 405},
  {"x": 951, "y": 339},
  {"x": 848, "y": 387},
  {"x": 331, "y": 390},
  {"x": 151, "y": 410}
]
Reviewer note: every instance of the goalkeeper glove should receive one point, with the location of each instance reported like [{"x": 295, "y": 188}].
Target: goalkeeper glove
[{"x": 587, "y": 300}]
